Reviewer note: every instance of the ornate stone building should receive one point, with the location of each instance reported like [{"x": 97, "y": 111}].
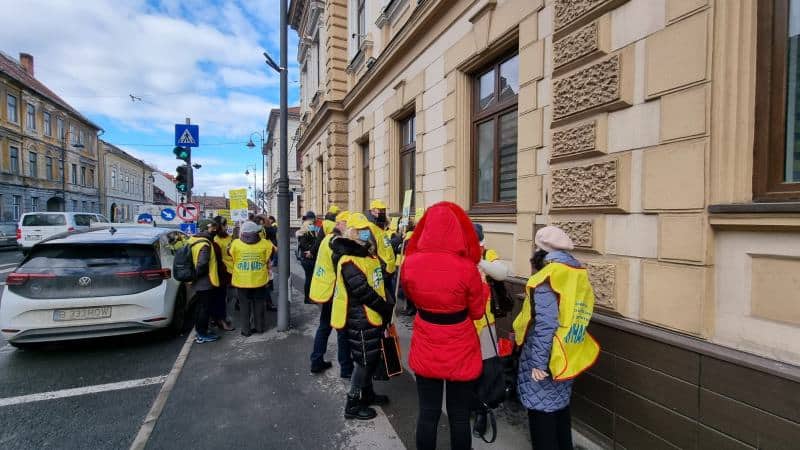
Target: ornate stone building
[
  {"x": 272, "y": 165},
  {"x": 661, "y": 134},
  {"x": 37, "y": 129},
  {"x": 127, "y": 182}
]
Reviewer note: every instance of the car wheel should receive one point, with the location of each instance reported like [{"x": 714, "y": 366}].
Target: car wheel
[{"x": 178, "y": 324}]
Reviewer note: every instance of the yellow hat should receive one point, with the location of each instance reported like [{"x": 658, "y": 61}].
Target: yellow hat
[
  {"x": 377, "y": 204},
  {"x": 357, "y": 221},
  {"x": 343, "y": 216},
  {"x": 334, "y": 209},
  {"x": 418, "y": 215}
]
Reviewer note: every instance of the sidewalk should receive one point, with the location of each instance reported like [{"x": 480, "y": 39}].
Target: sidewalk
[{"x": 257, "y": 392}]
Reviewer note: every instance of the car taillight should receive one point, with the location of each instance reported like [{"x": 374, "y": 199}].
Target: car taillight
[
  {"x": 18, "y": 279},
  {"x": 150, "y": 275},
  {"x": 19, "y": 233}
]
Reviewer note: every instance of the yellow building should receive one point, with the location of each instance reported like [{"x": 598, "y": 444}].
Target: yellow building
[
  {"x": 660, "y": 134},
  {"x": 41, "y": 134}
]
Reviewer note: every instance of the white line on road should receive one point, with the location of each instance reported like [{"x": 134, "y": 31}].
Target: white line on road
[{"x": 82, "y": 391}]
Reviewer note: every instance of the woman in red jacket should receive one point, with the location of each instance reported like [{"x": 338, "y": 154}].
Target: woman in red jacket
[{"x": 440, "y": 274}]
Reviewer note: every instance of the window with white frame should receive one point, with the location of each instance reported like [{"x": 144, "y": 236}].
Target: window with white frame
[
  {"x": 34, "y": 204},
  {"x": 60, "y": 127},
  {"x": 11, "y": 108},
  {"x": 47, "y": 124},
  {"x": 14, "y": 159},
  {"x": 30, "y": 116},
  {"x": 17, "y": 206},
  {"x": 33, "y": 166},
  {"x": 72, "y": 134}
]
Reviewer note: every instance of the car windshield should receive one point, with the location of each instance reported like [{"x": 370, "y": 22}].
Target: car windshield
[
  {"x": 115, "y": 257},
  {"x": 43, "y": 220}
]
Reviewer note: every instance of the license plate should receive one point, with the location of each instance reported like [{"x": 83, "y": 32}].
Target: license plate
[
  {"x": 102, "y": 312},
  {"x": 33, "y": 237}
]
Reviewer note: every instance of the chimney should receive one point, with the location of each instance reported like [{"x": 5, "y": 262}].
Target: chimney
[{"x": 26, "y": 61}]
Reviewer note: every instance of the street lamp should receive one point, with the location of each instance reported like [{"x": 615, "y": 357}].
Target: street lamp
[
  {"x": 251, "y": 144},
  {"x": 255, "y": 188},
  {"x": 64, "y": 167}
]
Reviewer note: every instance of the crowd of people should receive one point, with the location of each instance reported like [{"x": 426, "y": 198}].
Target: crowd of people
[{"x": 359, "y": 266}]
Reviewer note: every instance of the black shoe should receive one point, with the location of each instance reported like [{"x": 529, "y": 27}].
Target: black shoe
[
  {"x": 346, "y": 375},
  {"x": 480, "y": 424},
  {"x": 246, "y": 333},
  {"x": 319, "y": 368},
  {"x": 356, "y": 409},
  {"x": 369, "y": 397}
]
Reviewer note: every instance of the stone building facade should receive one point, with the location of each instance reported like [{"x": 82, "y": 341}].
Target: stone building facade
[
  {"x": 659, "y": 133},
  {"x": 127, "y": 182},
  {"x": 37, "y": 129},
  {"x": 272, "y": 165}
]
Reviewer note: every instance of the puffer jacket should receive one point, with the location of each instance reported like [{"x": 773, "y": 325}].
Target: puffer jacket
[
  {"x": 364, "y": 338},
  {"x": 440, "y": 275},
  {"x": 547, "y": 395}
]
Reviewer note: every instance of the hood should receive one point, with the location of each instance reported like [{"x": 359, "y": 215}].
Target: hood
[
  {"x": 563, "y": 257},
  {"x": 250, "y": 238},
  {"x": 445, "y": 228},
  {"x": 344, "y": 246}
]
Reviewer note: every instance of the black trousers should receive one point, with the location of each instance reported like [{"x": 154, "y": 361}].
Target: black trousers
[
  {"x": 361, "y": 379},
  {"x": 459, "y": 399},
  {"x": 551, "y": 431},
  {"x": 308, "y": 268},
  {"x": 203, "y": 300},
  {"x": 253, "y": 303}
]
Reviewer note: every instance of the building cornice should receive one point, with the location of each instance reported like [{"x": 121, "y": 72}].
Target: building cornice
[{"x": 327, "y": 111}]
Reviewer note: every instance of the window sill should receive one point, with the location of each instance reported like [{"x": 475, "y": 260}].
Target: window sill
[
  {"x": 494, "y": 213},
  {"x": 755, "y": 208},
  {"x": 756, "y": 216}
]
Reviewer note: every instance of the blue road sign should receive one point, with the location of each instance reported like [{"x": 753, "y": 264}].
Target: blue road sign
[
  {"x": 144, "y": 218},
  {"x": 187, "y": 135},
  {"x": 189, "y": 228},
  {"x": 168, "y": 214}
]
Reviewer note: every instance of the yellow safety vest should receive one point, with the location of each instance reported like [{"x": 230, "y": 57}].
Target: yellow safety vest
[
  {"x": 371, "y": 267},
  {"x": 324, "y": 279},
  {"x": 224, "y": 243},
  {"x": 385, "y": 252},
  {"x": 328, "y": 226},
  {"x": 402, "y": 256},
  {"x": 489, "y": 255},
  {"x": 250, "y": 263},
  {"x": 213, "y": 275},
  {"x": 574, "y": 350}
]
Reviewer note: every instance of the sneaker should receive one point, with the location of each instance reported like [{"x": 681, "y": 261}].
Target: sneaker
[{"x": 203, "y": 338}]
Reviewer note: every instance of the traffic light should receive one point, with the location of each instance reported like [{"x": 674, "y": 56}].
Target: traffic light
[
  {"x": 183, "y": 179},
  {"x": 183, "y": 153}
]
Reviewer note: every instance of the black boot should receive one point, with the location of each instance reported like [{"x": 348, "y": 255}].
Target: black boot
[
  {"x": 480, "y": 423},
  {"x": 371, "y": 398},
  {"x": 355, "y": 408}
]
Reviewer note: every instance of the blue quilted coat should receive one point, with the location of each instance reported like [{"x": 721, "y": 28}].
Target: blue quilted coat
[{"x": 546, "y": 395}]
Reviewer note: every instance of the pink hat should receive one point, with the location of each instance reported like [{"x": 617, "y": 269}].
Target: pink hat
[{"x": 552, "y": 238}]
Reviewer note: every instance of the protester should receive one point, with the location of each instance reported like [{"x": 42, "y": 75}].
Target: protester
[
  {"x": 207, "y": 279},
  {"x": 218, "y": 306},
  {"x": 251, "y": 271},
  {"x": 308, "y": 244},
  {"x": 440, "y": 274},
  {"x": 360, "y": 308},
  {"x": 329, "y": 222},
  {"x": 398, "y": 245},
  {"x": 378, "y": 223},
  {"x": 377, "y": 213},
  {"x": 322, "y": 287},
  {"x": 556, "y": 348}
]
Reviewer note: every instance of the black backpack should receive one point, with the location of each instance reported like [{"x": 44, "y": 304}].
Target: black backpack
[{"x": 183, "y": 264}]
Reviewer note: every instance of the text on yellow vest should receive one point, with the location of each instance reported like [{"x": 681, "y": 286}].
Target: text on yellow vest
[
  {"x": 213, "y": 275},
  {"x": 371, "y": 268},
  {"x": 224, "y": 243},
  {"x": 250, "y": 263},
  {"x": 323, "y": 281},
  {"x": 574, "y": 350}
]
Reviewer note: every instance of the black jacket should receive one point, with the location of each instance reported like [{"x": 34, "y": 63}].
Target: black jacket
[{"x": 363, "y": 336}]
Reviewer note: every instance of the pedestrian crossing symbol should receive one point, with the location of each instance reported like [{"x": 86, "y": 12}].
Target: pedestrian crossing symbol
[{"x": 187, "y": 135}]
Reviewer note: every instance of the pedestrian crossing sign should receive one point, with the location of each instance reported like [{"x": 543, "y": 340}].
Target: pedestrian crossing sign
[{"x": 187, "y": 135}]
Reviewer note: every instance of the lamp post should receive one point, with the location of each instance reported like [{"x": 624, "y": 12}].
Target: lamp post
[
  {"x": 255, "y": 188},
  {"x": 64, "y": 167},
  {"x": 251, "y": 144}
]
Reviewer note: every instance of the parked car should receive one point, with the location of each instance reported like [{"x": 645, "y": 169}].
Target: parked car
[
  {"x": 100, "y": 282},
  {"x": 8, "y": 236},
  {"x": 37, "y": 226}
]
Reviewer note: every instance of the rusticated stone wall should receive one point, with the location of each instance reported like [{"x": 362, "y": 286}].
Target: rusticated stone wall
[
  {"x": 603, "y": 277},
  {"x": 592, "y": 87},
  {"x": 568, "y": 11},
  {"x": 592, "y": 186},
  {"x": 580, "y": 231},
  {"x": 575, "y": 46},
  {"x": 574, "y": 141}
]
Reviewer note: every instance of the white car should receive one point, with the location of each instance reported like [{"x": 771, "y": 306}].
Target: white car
[
  {"x": 100, "y": 282},
  {"x": 37, "y": 226}
]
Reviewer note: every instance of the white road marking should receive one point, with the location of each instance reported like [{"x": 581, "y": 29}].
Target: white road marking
[{"x": 81, "y": 391}]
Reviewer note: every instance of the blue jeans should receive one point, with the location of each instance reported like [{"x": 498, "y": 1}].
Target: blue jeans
[{"x": 321, "y": 341}]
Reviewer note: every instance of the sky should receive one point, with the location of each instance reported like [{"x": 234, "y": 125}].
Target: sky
[{"x": 182, "y": 58}]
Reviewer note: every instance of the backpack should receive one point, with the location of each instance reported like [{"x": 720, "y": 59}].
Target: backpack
[{"x": 183, "y": 264}]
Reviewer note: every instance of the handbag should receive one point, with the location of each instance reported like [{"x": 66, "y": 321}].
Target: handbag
[
  {"x": 390, "y": 364},
  {"x": 493, "y": 387}
]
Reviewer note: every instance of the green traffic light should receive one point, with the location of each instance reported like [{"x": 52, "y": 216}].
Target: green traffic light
[
  {"x": 182, "y": 153},
  {"x": 181, "y": 187}
]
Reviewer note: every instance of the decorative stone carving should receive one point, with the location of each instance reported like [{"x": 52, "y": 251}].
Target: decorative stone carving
[
  {"x": 603, "y": 277},
  {"x": 577, "y": 45},
  {"x": 580, "y": 231},
  {"x": 569, "y": 12},
  {"x": 574, "y": 141},
  {"x": 592, "y": 186},
  {"x": 598, "y": 86}
]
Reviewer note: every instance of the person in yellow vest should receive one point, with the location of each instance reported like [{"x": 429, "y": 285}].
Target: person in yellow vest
[
  {"x": 378, "y": 223},
  {"x": 398, "y": 245},
  {"x": 360, "y": 308},
  {"x": 321, "y": 292},
  {"x": 251, "y": 272},
  {"x": 329, "y": 222},
  {"x": 551, "y": 328},
  {"x": 207, "y": 279}
]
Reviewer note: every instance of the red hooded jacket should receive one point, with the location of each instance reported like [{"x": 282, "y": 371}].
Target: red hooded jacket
[{"x": 440, "y": 275}]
